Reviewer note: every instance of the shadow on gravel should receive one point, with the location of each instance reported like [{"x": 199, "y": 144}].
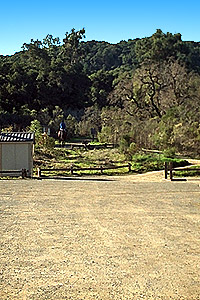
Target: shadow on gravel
[
  {"x": 186, "y": 179},
  {"x": 179, "y": 179},
  {"x": 73, "y": 178}
]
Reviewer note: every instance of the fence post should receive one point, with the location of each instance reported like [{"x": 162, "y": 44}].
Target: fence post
[
  {"x": 166, "y": 169},
  {"x": 129, "y": 167},
  {"x": 23, "y": 173},
  {"x": 38, "y": 172},
  {"x": 71, "y": 170},
  {"x": 171, "y": 170},
  {"x": 101, "y": 170}
]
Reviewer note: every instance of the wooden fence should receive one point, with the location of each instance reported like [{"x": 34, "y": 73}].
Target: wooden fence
[
  {"x": 13, "y": 173},
  {"x": 169, "y": 169},
  {"x": 87, "y": 146},
  {"x": 72, "y": 169}
]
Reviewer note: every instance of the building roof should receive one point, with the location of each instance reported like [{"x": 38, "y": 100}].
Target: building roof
[{"x": 17, "y": 137}]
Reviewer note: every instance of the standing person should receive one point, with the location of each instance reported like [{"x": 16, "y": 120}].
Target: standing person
[
  {"x": 62, "y": 125},
  {"x": 93, "y": 132},
  {"x": 62, "y": 134}
]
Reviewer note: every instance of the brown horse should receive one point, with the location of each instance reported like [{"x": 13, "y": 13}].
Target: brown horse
[{"x": 62, "y": 137}]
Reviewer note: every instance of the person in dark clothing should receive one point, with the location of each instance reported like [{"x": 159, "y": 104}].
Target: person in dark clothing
[
  {"x": 93, "y": 132},
  {"x": 62, "y": 134},
  {"x": 62, "y": 125}
]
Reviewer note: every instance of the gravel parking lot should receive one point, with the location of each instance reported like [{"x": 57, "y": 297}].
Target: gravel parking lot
[{"x": 108, "y": 238}]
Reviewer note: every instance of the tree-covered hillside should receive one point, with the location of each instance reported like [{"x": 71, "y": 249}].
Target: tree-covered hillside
[{"x": 143, "y": 92}]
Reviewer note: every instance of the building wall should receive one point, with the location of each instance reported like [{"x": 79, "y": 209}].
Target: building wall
[
  {"x": 0, "y": 156},
  {"x": 16, "y": 156}
]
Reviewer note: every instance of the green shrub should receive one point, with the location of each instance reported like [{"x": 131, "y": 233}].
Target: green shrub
[
  {"x": 46, "y": 141},
  {"x": 37, "y": 129},
  {"x": 106, "y": 135},
  {"x": 170, "y": 152},
  {"x": 124, "y": 144}
]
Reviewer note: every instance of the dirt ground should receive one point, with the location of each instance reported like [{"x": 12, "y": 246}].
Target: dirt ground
[{"x": 109, "y": 238}]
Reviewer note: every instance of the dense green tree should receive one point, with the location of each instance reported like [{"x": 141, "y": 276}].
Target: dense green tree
[
  {"x": 101, "y": 86},
  {"x": 71, "y": 50},
  {"x": 141, "y": 84},
  {"x": 159, "y": 46}
]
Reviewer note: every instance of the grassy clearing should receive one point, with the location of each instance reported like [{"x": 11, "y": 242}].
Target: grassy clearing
[
  {"x": 184, "y": 173},
  {"x": 81, "y": 158},
  {"x": 153, "y": 162}
]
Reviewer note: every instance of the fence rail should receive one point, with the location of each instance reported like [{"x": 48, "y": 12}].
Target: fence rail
[
  {"x": 75, "y": 169},
  {"x": 88, "y": 145},
  {"x": 169, "y": 169},
  {"x": 22, "y": 172}
]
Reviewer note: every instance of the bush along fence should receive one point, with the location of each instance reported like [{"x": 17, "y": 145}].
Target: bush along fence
[
  {"x": 171, "y": 170},
  {"x": 14, "y": 173},
  {"x": 72, "y": 169}
]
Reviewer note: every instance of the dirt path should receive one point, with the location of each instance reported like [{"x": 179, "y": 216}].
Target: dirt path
[{"x": 108, "y": 238}]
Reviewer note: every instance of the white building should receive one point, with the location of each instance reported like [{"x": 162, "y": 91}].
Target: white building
[{"x": 16, "y": 151}]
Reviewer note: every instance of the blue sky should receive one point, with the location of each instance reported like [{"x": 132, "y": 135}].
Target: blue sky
[{"x": 111, "y": 21}]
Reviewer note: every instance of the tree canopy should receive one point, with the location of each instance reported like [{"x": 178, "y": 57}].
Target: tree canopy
[{"x": 144, "y": 79}]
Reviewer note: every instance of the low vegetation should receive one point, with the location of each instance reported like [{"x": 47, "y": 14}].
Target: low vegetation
[
  {"x": 194, "y": 172},
  {"x": 61, "y": 158}
]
